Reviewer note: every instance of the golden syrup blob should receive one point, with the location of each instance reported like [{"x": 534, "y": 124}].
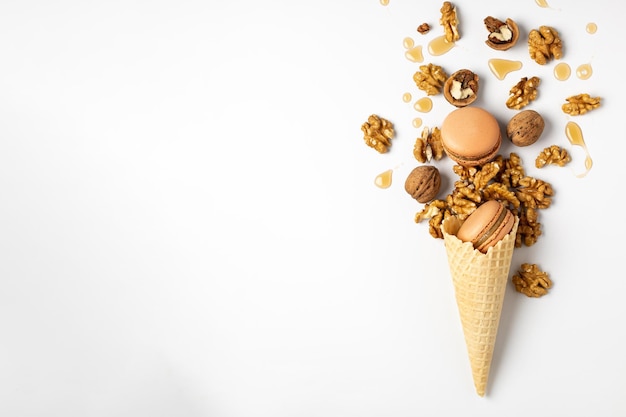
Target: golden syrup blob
[
  {"x": 406, "y": 97},
  {"x": 562, "y": 71},
  {"x": 575, "y": 136},
  {"x": 408, "y": 43},
  {"x": 417, "y": 122},
  {"x": 591, "y": 28},
  {"x": 439, "y": 46},
  {"x": 384, "y": 2},
  {"x": 383, "y": 180},
  {"x": 542, "y": 3},
  {"x": 415, "y": 54},
  {"x": 423, "y": 105},
  {"x": 501, "y": 67},
  {"x": 584, "y": 71}
]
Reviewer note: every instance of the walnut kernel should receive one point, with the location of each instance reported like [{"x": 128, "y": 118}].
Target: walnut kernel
[
  {"x": 430, "y": 78},
  {"x": 450, "y": 22},
  {"x": 424, "y": 28},
  {"x": 523, "y": 93},
  {"x": 377, "y": 133},
  {"x": 428, "y": 145},
  {"x": 544, "y": 44},
  {"x": 552, "y": 155},
  {"x": 580, "y": 104},
  {"x": 531, "y": 281}
]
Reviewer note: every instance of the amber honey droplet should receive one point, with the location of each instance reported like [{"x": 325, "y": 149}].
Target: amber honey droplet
[
  {"x": 415, "y": 54},
  {"x": 423, "y": 105},
  {"x": 384, "y": 2},
  {"x": 575, "y": 136},
  {"x": 417, "y": 122},
  {"x": 406, "y": 97},
  {"x": 591, "y": 28},
  {"x": 383, "y": 180},
  {"x": 501, "y": 67},
  {"x": 562, "y": 71},
  {"x": 542, "y": 3},
  {"x": 408, "y": 43},
  {"x": 439, "y": 46},
  {"x": 584, "y": 71}
]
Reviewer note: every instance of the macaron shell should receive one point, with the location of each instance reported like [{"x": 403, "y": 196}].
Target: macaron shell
[
  {"x": 487, "y": 225},
  {"x": 471, "y": 136}
]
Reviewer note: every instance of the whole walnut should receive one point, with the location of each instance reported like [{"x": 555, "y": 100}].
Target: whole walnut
[
  {"x": 525, "y": 128},
  {"x": 423, "y": 183}
]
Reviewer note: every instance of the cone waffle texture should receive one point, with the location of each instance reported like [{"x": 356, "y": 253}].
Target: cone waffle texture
[{"x": 479, "y": 284}]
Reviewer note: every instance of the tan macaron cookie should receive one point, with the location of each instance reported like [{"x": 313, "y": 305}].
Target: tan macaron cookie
[
  {"x": 471, "y": 136},
  {"x": 487, "y": 225}
]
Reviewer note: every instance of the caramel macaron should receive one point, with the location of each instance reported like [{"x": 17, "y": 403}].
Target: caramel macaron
[
  {"x": 471, "y": 136},
  {"x": 487, "y": 225}
]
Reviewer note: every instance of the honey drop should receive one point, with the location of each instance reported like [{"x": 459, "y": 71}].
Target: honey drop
[
  {"x": 384, "y": 2},
  {"x": 542, "y": 3},
  {"x": 575, "y": 136},
  {"x": 501, "y": 67},
  {"x": 439, "y": 46},
  {"x": 383, "y": 180},
  {"x": 562, "y": 71},
  {"x": 591, "y": 28},
  {"x": 415, "y": 54},
  {"x": 423, "y": 105},
  {"x": 417, "y": 122},
  {"x": 406, "y": 97},
  {"x": 584, "y": 71}
]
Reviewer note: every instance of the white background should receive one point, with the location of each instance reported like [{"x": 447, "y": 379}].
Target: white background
[{"x": 189, "y": 224}]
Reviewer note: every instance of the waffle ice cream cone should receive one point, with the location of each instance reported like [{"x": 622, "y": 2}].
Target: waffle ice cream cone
[{"x": 479, "y": 284}]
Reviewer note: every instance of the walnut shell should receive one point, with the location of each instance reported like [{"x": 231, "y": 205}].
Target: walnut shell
[
  {"x": 423, "y": 183},
  {"x": 525, "y": 128},
  {"x": 493, "y": 26},
  {"x": 461, "y": 88}
]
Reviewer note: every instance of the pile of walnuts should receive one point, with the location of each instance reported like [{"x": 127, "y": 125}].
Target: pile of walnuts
[{"x": 502, "y": 179}]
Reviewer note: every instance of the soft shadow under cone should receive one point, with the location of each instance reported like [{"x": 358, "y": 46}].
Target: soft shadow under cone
[{"x": 479, "y": 284}]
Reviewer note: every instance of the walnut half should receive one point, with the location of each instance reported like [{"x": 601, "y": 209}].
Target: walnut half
[
  {"x": 461, "y": 88},
  {"x": 377, "y": 133},
  {"x": 430, "y": 78},
  {"x": 531, "y": 281},
  {"x": 502, "y": 35},
  {"x": 522, "y": 93},
  {"x": 544, "y": 44}
]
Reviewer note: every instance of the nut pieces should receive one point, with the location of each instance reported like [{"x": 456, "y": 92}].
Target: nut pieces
[
  {"x": 502, "y": 35},
  {"x": 461, "y": 88},
  {"x": 525, "y": 128},
  {"x": 428, "y": 145},
  {"x": 423, "y": 183}
]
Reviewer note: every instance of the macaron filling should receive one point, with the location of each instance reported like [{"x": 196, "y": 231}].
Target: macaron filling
[{"x": 473, "y": 159}]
